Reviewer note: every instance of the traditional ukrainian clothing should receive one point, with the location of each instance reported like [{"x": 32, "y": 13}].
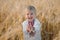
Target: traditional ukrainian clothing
[{"x": 37, "y": 25}]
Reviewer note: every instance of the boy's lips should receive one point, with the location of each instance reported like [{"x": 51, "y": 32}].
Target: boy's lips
[{"x": 30, "y": 18}]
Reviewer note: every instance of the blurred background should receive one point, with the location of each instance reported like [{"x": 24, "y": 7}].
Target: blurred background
[{"x": 48, "y": 13}]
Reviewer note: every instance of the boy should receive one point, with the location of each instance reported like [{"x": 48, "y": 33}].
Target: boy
[{"x": 31, "y": 26}]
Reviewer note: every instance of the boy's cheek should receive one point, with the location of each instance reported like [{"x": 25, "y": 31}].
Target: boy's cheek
[
  {"x": 26, "y": 17},
  {"x": 29, "y": 18}
]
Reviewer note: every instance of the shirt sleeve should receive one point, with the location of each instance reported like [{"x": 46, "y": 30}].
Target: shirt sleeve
[
  {"x": 24, "y": 26},
  {"x": 38, "y": 29},
  {"x": 38, "y": 26}
]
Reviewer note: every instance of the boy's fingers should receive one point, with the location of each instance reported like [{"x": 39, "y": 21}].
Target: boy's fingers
[{"x": 30, "y": 25}]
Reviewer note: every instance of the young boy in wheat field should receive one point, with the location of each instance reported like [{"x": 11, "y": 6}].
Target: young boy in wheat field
[{"x": 31, "y": 26}]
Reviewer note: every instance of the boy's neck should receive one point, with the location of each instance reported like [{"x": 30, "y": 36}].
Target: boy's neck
[{"x": 31, "y": 21}]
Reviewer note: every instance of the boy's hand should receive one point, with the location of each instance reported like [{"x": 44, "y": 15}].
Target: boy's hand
[
  {"x": 32, "y": 33},
  {"x": 29, "y": 27}
]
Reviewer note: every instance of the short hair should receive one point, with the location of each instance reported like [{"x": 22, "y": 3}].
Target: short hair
[{"x": 32, "y": 8}]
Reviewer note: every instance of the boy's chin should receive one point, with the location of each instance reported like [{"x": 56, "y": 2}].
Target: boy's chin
[{"x": 30, "y": 19}]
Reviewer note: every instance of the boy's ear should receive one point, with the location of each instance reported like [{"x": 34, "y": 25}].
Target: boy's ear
[{"x": 35, "y": 16}]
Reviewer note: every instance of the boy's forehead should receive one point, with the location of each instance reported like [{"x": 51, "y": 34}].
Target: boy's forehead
[{"x": 28, "y": 11}]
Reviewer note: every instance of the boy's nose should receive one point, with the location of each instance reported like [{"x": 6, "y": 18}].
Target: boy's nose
[{"x": 29, "y": 15}]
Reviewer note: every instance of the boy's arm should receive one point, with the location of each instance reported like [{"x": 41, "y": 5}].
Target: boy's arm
[{"x": 38, "y": 26}]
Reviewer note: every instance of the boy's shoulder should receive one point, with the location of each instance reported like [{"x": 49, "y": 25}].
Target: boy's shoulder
[
  {"x": 37, "y": 21},
  {"x": 24, "y": 22}
]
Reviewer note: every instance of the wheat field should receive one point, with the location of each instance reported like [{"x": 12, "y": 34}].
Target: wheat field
[{"x": 11, "y": 17}]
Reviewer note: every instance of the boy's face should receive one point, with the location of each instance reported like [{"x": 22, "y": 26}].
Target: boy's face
[{"x": 29, "y": 15}]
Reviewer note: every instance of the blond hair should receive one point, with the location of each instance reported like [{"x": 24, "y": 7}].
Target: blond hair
[{"x": 32, "y": 9}]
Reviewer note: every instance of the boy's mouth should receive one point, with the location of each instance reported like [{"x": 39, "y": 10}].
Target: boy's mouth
[{"x": 30, "y": 18}]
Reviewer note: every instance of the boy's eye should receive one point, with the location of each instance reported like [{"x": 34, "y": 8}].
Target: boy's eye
[
  {"x": 31, "y": 13},
  {"x": 27, "y": 13}
]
